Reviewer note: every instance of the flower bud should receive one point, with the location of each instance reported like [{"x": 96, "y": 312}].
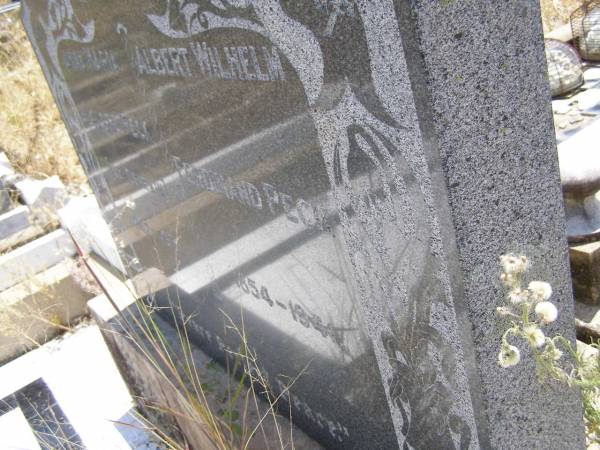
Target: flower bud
[
  {"x": 503, "y": 311},
  {"x": 555, "y": 354},
  {"x": 513, "y": 264},
  {"x": 517, "y": 296},
  {"x": 507, "y": 279}
]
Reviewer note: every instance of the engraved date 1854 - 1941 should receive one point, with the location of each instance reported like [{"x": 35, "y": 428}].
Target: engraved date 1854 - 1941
[{"x": 298, "y": 313}]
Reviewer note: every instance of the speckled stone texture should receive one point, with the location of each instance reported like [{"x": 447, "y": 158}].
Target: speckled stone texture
[
  {"x": 334, "y": 191},
  {"x": 484, "y": 101}
]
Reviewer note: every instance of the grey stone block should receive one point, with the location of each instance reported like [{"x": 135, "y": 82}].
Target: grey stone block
[
  {"x": 42, "y": 195},
  {"x": 585, "y": 268},
  {"x": 34, "y": 257},
  {"x": 14, "y": 221},
  {"x": 4, "y": 200},
  {"x": 83, "y": 218},
  {"x": 6, "y": 168},
  {"x": 38, "y": 308}
]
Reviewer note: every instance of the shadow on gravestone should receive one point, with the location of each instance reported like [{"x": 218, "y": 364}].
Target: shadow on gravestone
[{"x": 310, "y": 164}]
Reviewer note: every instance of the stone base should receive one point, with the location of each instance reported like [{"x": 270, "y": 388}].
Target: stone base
[
  {"x": 585, "y": 271},
  {"x": 34, "y": 257},
  {"x": 153, "y": 383},
  {"x": 38, "y": 309}
]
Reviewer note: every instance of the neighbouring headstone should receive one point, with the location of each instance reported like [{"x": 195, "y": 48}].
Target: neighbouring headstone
[
  {"x": 27, "y": 260},
  {"x": 14, "y": 221},
  {"x": 83, "y": 218},
  {"x": 343, "y": 176},
  {"x": 48, "y": 194},
  {"x": 580, "y": 177},
  {"x": 5, "y": 203}
]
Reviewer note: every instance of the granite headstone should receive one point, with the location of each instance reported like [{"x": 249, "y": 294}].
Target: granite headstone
[{"x": 341, "y": 175}]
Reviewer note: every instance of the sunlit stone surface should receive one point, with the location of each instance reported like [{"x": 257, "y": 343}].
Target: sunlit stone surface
[{"x": 286, "y": 165}]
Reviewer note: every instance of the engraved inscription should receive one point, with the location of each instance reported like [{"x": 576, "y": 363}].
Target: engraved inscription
[
  {"x": 297, "y": 312},
  {"x": 246, "y": 62},
  {"x": 115, "y": 123},
  {"x": 381, "y": 126},
  {"x": 260, "y": 197},
  {"x": 238, "y": 63},
  {"x": 162, "y": 61},
  {"x": 90, "y": 60}
]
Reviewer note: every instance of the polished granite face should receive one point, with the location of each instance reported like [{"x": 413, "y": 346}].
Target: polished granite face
[{"x": 265, "y": 157}]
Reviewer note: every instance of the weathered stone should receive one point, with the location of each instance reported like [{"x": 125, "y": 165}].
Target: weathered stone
[
  {"x": 42, "y": 195},
  {"x": 6, "y": 171},
  {"x": 14, "y": 221},
  {"x": 37, "y": 309},
  {"x": 19, "y": 226},
  {"x": 22, "y": 237},
  {"x": 6, "y": 168},
  {"x": 583, "y": 225},
  {"x": 565, "y": 72},
  {"x": 33, "y": 257},
  {"x": 82, "y": 217},
  {"x": 579, "y": 162},
  {"x": 585, "y": 267},
  {"x": 587, "y": 322},
  {"x": 5, "y": 203},
  {"x": 338, "y": 179}
]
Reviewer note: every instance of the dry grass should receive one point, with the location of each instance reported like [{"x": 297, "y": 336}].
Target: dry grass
[{"x": 33, "y": 134}]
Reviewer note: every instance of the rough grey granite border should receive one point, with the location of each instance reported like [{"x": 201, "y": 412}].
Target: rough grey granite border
[{"x": 479, "y": 76}]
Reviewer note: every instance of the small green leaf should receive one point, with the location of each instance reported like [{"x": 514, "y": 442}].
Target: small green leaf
[{"x": 237, "y": 430}]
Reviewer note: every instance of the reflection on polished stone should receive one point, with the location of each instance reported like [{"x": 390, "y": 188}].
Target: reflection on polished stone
[
  {"x": 271, "y": 160},
  {"x": 253, "y": 156}
]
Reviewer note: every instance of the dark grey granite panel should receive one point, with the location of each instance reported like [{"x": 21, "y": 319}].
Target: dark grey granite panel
[{"x": 279, "y": 162}]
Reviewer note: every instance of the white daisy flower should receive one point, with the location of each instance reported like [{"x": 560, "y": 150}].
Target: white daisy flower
[
  {"x": 540, "y": 290},
  {"x": 546, "y": 312},
  {"x": 535, "y": 336},
  {"x": 509, "y": 356}
]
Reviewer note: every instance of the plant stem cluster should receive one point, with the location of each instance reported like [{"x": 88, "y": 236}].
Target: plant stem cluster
[{"x": 529, "y": 311}]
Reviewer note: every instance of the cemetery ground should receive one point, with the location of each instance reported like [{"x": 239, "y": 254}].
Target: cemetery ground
[
  {"x": 64, "y": 315},
  {"x": 29, "y": 115}
]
